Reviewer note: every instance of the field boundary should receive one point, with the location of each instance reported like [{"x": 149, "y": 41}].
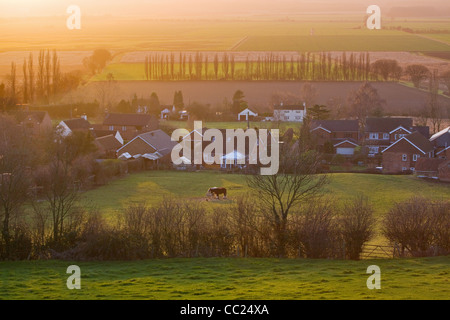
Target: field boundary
[{"x": 237, "y": 44}]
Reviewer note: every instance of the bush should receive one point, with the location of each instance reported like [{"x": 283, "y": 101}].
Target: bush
[
  {"x": 314, "y": 231},
  {"x": 356, "y": 226},
  {"x": 420, "y": 226}
]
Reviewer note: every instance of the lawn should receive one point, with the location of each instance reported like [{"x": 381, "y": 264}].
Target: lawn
[{"x": 227, "y": 278}]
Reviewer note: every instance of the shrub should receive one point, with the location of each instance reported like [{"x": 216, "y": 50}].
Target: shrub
[
  {"x": 420, "y": 226},
  {"x": 314, "y": 231},
  {"x": 356, "y": 226}
]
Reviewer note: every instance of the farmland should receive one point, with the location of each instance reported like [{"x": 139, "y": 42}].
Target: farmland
[
  {"x": 400, "y": 99},
  {"x": 124, "y": 35},
  {"x": 229, "y": 279},
  {"x": 356, "y": 42}
]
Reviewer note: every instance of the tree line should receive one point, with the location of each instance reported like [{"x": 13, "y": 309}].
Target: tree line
[
  {"x": 267, "y": 66},
  {"x": 42, "y": 81}
]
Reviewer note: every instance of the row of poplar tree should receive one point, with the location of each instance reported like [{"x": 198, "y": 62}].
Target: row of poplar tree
[{"x": 265, "y": 66}]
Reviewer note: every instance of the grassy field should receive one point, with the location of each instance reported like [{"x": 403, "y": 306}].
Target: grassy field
[
  {"x": 356, "y": 42},
  {"x": 152, "y": 186},
  {"x": 226, "y": 279}
]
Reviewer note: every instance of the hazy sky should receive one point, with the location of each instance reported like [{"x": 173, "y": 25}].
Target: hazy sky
[{"x": 189, "y": 8}]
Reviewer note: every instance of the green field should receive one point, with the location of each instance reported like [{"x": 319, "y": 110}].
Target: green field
[
  {"x": 152, "y": 186},
  {"x": 234, "y": 278},
  {"x": 357, "y": 42},
  {"x": 228, "y": 278}
]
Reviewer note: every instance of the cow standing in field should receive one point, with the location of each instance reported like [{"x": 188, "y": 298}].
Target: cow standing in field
[{"x": 215, "y": 192}]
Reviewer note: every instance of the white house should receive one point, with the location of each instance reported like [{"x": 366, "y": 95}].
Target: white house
[
  {"x": 246, "y": 113},
  {"x": 165, "y": 113},
  {"x": 293, "y": 113}
]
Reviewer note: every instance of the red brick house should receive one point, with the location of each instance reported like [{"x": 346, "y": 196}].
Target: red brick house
[
  {"x": 107, "y": 146},
  {"x": 154, "y": 145},
  {"x": 444, "y": 153},
  {"x": 343, "y": 135},
  {"x": 130, "y": 124},
  {"x": 403, "y": 154},
  {"x": 380, "y": 133},
  {"x": 74, "y": 125}
]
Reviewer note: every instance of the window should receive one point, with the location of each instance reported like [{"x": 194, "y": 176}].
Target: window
[
  {"x": 373, "y": 150},
  {"x": 404, "y": 169},
  {"x": 111, "y": 128},
  {"x": 298, "y": 118},
  {"x": 415, "y": 157},
  {"x": 124, "y": 128},
  {"x": 373, "y": 136},
  {"x": 404, "y": 157},
  {"x": 386, "y": 136}
]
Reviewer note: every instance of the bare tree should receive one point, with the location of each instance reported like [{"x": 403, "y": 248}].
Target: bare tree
[
  {"x": 294, "y": 185},
  {"x": 25, "y": 81},
  {"x": 315, "y": 233},
  {"x": 435, "y": 109},
  {"x": 417, "y": 73},
  {"x": 14, "y": 175},
  {"x": 31, "y": 78},
  {"x": 12, "y": 84},
  {"x": 419, "y": 225},
  {"x": 363, "y": 103},
  {"x": 308, "y": 94},
  {"x": 386, "y": 68},
  {"x": 106, "y": 92},
  {"x": 445, "y": 77}
]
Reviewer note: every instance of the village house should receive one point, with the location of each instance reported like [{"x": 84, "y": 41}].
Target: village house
[
  {"x": 67, "y": 127},
  {"x": 34, "y": 122},
  {"x": 228, "y": 160},
  {"x": 441, "y": 140},
  {"x": 293, "y": 113},
  {"x": 342, "y": 135},
  {"x": 129, "y": 124},
  {"x": 107, "y": 146},
  {"x": 444, "y": 153},
  {"x": 403, "y": 154},
  {"x": 155, "y": 146},
  {"x": 99, "y": 133},
  {"x": 380, "y": 133},
  {"x": 247, "y": 115}
]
